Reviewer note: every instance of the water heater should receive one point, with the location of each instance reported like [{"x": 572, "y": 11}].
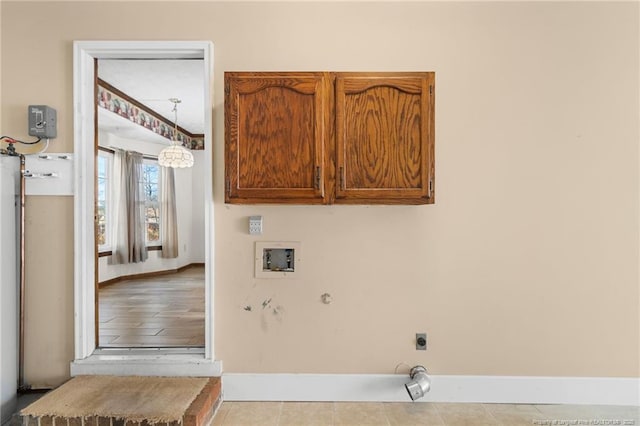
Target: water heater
[{"x": 9, "y": 283}]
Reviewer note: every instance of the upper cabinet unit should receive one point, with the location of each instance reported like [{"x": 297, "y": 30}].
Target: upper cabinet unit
[{"x": 352, "y": 138}]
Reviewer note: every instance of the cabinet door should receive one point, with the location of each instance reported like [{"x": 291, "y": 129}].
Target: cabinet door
[
  {"x": 276, "y": 134},
  {"x": 385, "y": 138}
]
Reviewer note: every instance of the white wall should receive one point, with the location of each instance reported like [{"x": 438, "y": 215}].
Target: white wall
[{"x": 197, "y": 208}]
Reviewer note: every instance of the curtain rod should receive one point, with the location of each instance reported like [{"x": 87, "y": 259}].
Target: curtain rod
[{"x": 112, "y": 151}]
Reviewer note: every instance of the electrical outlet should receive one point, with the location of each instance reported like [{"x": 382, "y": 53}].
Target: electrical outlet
[{"x": 421, "y": 341}]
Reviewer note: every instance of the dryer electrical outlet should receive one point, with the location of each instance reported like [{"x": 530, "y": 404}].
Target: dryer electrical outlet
[
  {"x": 421, "y": 341},
  {"x": 42, "y": 121}
]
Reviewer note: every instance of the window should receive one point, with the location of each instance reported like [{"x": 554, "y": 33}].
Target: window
[
  {"x": 102, "y": 200},
  {"x": 151, "y": 196},
  {"x": 150, "y": 191}
]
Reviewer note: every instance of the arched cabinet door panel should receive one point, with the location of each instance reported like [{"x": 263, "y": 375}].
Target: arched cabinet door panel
[
  {"x": 276, "y": 128},
  {"x": 384, "y": 138}
]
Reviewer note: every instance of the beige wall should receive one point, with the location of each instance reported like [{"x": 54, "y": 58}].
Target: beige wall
[{"x": 526, "y": 265}]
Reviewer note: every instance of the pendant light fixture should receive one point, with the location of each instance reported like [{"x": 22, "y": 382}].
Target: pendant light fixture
[{"x": 175, "y": 155}]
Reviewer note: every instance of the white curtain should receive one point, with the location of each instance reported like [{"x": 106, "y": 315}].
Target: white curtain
[
  {"x": 168, "y": 217},
  {"x": 127, "y": 213},
  {"x": 118, "y": 211}
]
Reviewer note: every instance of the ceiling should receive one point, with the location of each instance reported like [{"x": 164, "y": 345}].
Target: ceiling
[{"x": 152, "y": 82}]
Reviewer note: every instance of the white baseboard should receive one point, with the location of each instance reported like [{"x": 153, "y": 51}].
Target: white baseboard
[{"x": 390, "y": 388}]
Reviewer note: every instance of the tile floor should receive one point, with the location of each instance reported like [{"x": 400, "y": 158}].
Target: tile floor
[
  {"x": 408, "y": 414},
  {"x": 421, "y": 413},
  {"x": 23, "y": 401}
]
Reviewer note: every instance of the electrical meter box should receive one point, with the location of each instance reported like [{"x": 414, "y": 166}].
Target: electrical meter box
[{"x": 42, "y": 121}]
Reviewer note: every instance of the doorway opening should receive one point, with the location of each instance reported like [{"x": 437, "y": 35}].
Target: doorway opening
[
  {"x": 151, "y": 295},
  {"x": 88, "y": 359}
]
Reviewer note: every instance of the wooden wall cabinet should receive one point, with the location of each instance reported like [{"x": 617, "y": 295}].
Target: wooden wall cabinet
[{"x": 323, "y": 138}]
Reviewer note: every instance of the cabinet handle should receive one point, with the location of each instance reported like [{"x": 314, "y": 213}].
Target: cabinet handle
[
  {"x": 341, "y": 177},
  {"x": 317, "y": 178}
]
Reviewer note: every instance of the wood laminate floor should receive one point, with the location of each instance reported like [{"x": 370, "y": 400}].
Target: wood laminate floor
[{"x": 163, "y": 311}]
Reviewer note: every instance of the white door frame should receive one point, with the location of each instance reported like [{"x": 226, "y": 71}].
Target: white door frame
[{"x": 84, "y": 54}]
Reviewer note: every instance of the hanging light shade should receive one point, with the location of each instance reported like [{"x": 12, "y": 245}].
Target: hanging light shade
[{"x": 175, "y": 155}]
